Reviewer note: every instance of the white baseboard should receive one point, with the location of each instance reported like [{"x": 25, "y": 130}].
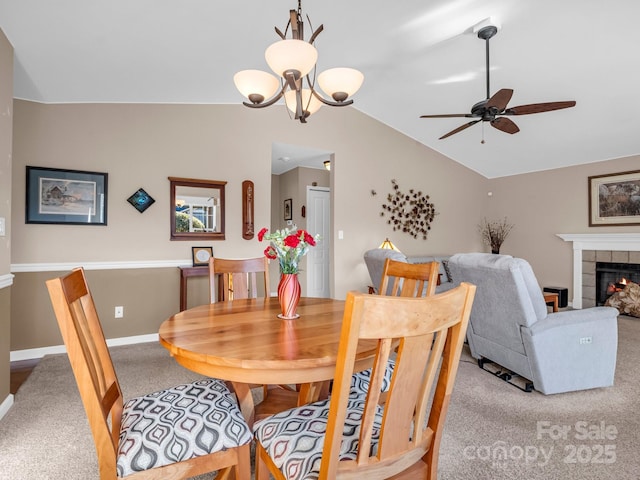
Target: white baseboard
[
  {"x": 6, "y": 405},
  {"x": 33, "y": 353}
]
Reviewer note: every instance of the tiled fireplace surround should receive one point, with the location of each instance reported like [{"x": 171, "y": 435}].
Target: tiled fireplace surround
[{"x": 591, "y": 248}]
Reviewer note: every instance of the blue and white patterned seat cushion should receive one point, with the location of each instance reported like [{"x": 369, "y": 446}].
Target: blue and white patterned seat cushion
[
  {"x": 360, "y": 381},
  {"x": 294, "y": 438},
  {"x": 179, "y": 423}
]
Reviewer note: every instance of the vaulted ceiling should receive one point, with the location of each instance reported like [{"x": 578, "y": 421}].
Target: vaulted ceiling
[{"x": 418, "y": 57}]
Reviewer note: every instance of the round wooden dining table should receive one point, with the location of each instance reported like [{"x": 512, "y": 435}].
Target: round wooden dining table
[{"x": 243, "y": 341}]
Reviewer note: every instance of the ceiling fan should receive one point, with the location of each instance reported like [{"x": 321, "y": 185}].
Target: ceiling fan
[{"x": 494, "y": 109}]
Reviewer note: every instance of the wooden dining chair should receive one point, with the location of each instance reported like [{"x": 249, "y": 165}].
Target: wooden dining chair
[
  {"x": 408, "y": 279},
  {"x": 239, "y": 278},
  {"x": 176, "y": 433},
  {"x": 405, "y": 280},
  {"x": 356, "y": 437}
]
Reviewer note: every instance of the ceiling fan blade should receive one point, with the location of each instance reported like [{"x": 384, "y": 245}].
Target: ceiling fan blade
[
  {"x": 539, "y": 108},
  {"x": 500, "y": 99},
  {"x": 459, "y": 129},
  {"x": 448, "y": 115},
  {"x": 505, "y": 125}
]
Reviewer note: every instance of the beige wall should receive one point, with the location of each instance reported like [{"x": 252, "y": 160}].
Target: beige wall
[
  {"x": 6, "y": 127},
  {"x": 141, "y": 145},
  {"x": 148, "y": 295},
  {"x": 546, "y": 203}
]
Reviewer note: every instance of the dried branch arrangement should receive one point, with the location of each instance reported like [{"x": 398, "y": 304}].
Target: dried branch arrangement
[
  {"x": 410, "y": 213},
  {"x": 494, "y": 233}
]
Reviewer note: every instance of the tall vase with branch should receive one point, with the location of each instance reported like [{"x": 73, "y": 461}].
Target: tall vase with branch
[{"x": 494, "y": 233}]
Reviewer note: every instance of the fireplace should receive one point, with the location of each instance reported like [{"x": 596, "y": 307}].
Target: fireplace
[
  {"x": 589, "y": 248},
  {"x": 612, "y": 277}
]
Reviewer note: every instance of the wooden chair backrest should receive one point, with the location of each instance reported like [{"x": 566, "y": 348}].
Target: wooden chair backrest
[
  {"x": 239, "y": 277},
  {"x": 408, "y": 279},
  {"x": 91, "y": 363},
  {"x": 430, "y": 332}
]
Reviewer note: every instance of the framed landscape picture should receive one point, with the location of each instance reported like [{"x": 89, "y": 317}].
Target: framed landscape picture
[
  {"x": 61, "y": 196},
  {"x": 614, "y": 199}
]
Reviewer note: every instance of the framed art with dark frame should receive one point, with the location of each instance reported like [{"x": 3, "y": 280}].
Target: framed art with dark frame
[
  {"x": 614, "y": 199},
  {"x": 288, "y": 209},
  {"x": 60, "y": 196},
  {"x": 141, "y": 200},
  {"x": 201, "y": 255}
]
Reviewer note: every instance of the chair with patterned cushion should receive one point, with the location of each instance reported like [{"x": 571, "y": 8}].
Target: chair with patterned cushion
[
  {"x": 178, "y": 433},
  {"x": 405, "y": 280},
  {"x": 355, "y": 437},
  {"x": 240, "y": 277}
]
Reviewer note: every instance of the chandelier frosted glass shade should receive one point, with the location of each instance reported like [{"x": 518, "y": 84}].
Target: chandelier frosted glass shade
[
  {"x": 310, "y": 104},
  {"x": 287, "y": 55},
  {"x": 293, "y": 61},
  {"x": 340, "y": 83},
  {"x": 256, "y": 85}
]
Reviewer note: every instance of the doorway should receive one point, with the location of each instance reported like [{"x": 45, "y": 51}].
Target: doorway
[{"x": 294, "y": 169}]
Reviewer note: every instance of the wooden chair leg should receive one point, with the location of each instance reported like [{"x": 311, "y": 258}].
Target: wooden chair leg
[
  {"x": 262, "y": 471},
  {"x": 243, "y": 468}
]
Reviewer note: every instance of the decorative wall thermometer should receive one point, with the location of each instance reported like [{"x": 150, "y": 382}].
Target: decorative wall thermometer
[{"x": 247, "y": 209}]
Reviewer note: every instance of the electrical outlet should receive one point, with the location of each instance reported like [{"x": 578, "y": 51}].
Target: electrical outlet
[
  {"x": 119, "y": 312},
  {"x": 585, "y": 340}
]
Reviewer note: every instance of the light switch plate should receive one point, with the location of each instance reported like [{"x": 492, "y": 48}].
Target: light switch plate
[{"x": 2, "y": 227}]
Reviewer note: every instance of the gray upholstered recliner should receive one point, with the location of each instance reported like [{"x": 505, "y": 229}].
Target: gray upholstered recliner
[
  {"x": 375, "y": 258},
  {"x": 509, "y": 325}
]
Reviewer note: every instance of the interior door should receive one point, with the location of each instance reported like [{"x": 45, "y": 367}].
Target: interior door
[{"x": 318, "y": 222}]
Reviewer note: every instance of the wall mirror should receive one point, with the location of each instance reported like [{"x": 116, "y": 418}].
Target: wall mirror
[{"x": 197, "y": 209}]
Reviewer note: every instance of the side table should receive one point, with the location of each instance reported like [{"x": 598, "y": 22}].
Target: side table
[
  {"x": 186, "y": 272},
  {"x": 551, "y": 298}
]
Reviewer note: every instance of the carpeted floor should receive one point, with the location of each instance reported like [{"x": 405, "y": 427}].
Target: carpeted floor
[{"x": 493, "y": 430}]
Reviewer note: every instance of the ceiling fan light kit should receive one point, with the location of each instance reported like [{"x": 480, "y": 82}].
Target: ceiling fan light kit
[
  {"x": 294, "y": 61},
  {"x": 494, "y": 109}
]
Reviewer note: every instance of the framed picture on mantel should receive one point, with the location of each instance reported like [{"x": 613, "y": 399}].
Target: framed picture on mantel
[{"x": 614, "y": 199}]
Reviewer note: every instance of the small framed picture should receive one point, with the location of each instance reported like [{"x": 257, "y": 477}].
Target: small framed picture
[
  {"x": 201, "y": 255},
  {"x": 141, "y": 200},
  {"x": 288, "y": 209}
]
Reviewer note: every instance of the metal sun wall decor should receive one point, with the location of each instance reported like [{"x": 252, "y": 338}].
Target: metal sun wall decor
[{"x": 410, "y": 213}]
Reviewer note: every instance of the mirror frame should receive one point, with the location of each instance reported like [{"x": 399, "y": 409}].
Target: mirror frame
[{"x": 194, "y": 182}]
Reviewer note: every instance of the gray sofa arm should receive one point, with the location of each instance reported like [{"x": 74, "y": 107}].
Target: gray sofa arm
[
  {"x": 573, "y": 350},
  {"x": 573, "y": 317}
]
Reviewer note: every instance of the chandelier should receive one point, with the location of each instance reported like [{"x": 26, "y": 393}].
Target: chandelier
[{"x": 294, "y": 61}]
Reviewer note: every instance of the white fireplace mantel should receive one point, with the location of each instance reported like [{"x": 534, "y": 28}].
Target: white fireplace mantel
[{"x": 595, "y": 241}]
